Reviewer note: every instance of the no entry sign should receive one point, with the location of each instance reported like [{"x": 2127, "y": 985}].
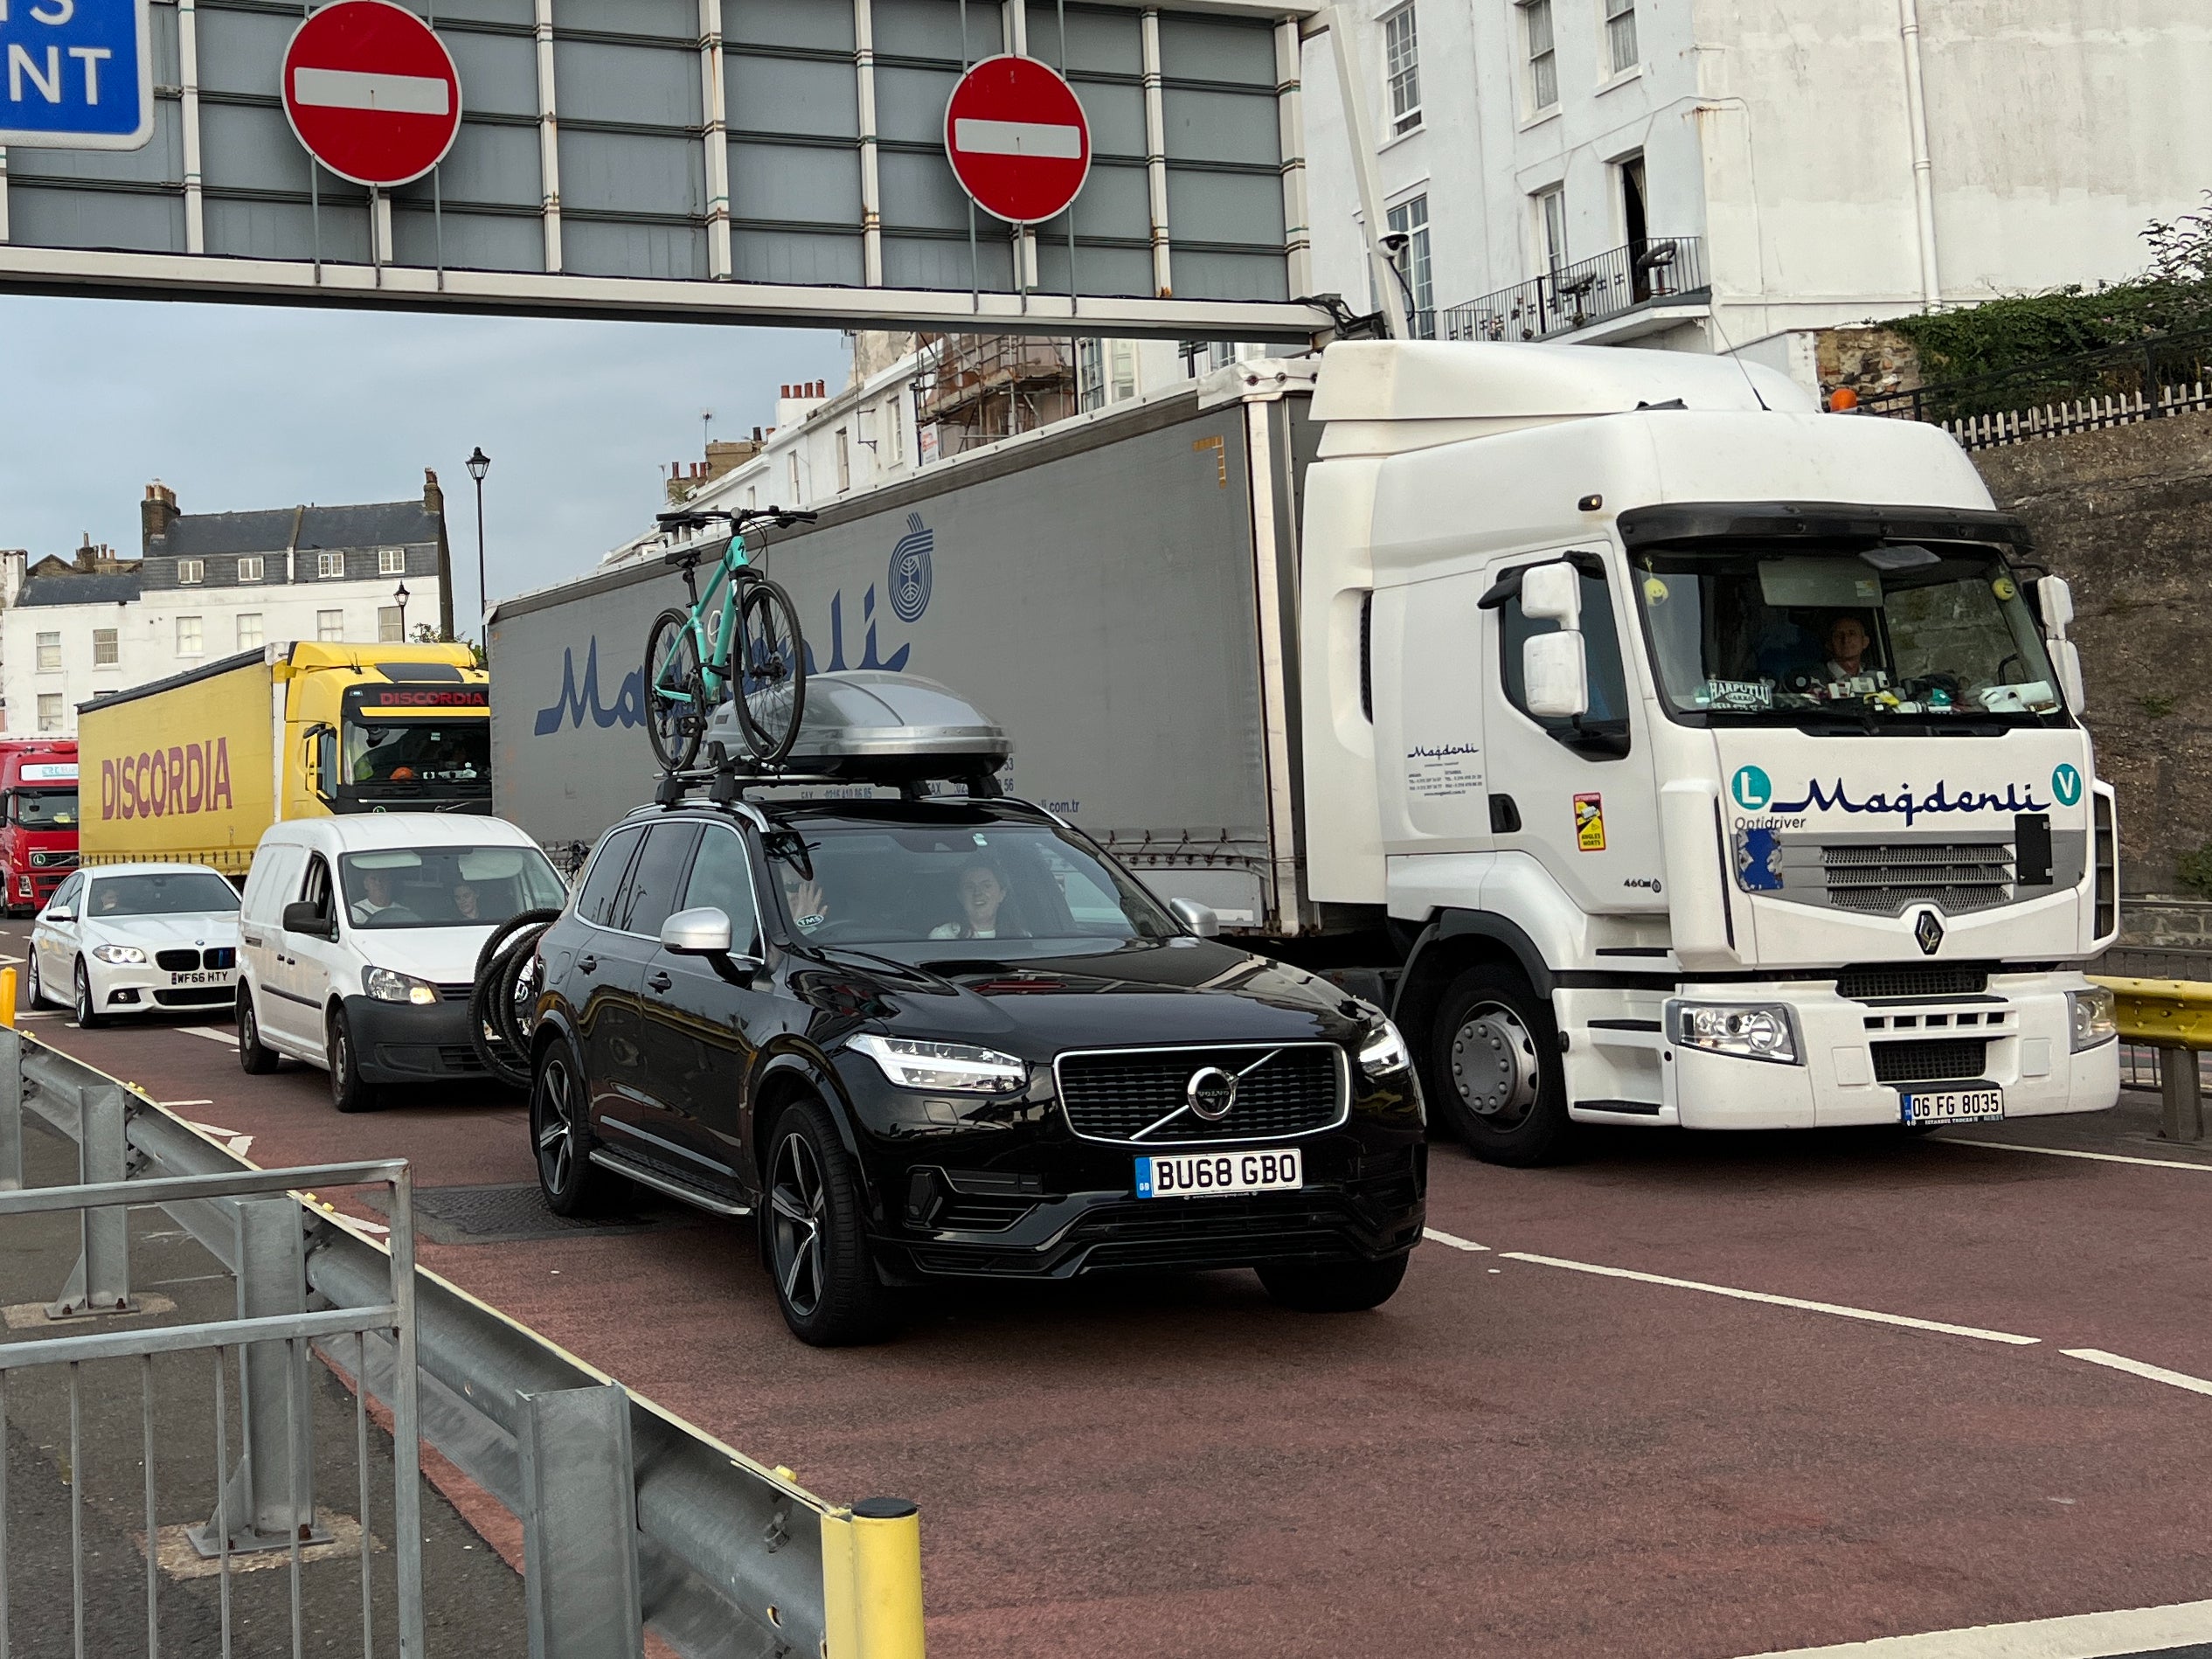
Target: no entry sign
[
  {"x": 371, "y": 92},
  {"x": 1017, "y": 138}
]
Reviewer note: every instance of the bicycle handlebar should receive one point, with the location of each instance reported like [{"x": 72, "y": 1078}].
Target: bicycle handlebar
[{"x": 698, "y": 518}]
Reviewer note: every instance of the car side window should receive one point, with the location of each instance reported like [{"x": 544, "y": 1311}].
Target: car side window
[
  {"x": 722, "y": 877},
  {"x": 595, "y": 904},
  {"x": 657, "y": 877},
  {"x": 316, "y": 889},
  {"x": 67, "y": 893}
]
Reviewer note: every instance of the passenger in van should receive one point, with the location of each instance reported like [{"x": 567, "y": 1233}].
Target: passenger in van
[
  {"x": 982, "y": 895},
  {"x": 465, "y": 902}
]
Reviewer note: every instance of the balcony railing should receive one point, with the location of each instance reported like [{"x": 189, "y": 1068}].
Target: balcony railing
[{"x": 1657, "y": 271}]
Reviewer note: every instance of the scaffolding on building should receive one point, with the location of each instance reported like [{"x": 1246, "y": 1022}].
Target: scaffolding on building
[{"x": 974, "y": 389}]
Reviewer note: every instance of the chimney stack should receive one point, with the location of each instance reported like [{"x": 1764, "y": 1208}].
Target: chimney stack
[
  {"x": 156, "y": 514},
  {"x": 434, "y": 495}
]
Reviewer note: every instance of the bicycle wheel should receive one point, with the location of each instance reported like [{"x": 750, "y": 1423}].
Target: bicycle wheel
[
  {"x": 675, "y": 692},
  {"x": 769, "y": 668}
]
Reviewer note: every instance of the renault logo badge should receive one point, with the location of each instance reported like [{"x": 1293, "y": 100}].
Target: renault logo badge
[
  {"x": 1929, "y": 931},
  {"x": 1210, "y": 1094}
]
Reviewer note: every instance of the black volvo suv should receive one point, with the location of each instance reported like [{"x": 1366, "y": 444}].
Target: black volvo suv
[{"x": 916, "y": 1039}]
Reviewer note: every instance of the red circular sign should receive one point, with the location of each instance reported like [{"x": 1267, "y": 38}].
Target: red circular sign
[
  {"x": 371, "y": 92},
  {"x": 1018, "y": 139}
]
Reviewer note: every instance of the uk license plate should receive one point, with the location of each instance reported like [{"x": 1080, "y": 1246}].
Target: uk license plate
[
  {"x": 209, "y": 978},
  {"x": 1213, "y": 1174},
  {"x": 1952, "y": 1106}
]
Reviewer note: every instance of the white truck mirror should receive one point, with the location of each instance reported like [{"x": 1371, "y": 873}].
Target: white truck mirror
[
  {"x": 1555, "y": 673},
  {"x": 2055, "y": 598},
  {"x": 2066, "y": 657},
  {"x": 1553, "y": 594}
]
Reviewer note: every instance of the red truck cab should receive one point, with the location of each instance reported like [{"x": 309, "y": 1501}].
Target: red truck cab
[{"x": 38, "y": 818}]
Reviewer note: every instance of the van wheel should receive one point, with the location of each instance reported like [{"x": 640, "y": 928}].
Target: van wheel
[
  {"x": 816, "y": 1247},
  {"x": 349, "y": 1091},
  {"x": 1493, "y": 1063},
  {"x": 88, "y": 1016},
  {"x": 255, "y": 1058},
  {"x": 1336, "y": 1287}
]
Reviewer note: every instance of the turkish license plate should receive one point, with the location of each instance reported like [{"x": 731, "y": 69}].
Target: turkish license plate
[
  {"x": 1952, "y": 1106},
  {"x": 1212, "y": 1175},
  {"x": 215, "y": 977}
]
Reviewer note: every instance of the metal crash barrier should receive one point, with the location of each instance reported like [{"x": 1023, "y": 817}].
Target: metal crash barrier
[
  {"x": 2174, "y": 1017},
  {"x": 631, "y": 1517}
]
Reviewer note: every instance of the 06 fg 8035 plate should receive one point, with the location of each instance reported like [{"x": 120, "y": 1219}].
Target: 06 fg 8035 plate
[
  {"x": 1202, "y": 1175},
  {"x": 1977, "y": 1104}
]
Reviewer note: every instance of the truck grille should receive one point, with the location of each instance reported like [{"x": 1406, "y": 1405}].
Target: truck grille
[
  {"x": 1120, "y": 1094},
  {"x": 1939, "y": 1061},
  {"x": 53, "y": 859},
  {"x": 1909, "y": 979},
  {"x": 1956, "y": 875}
]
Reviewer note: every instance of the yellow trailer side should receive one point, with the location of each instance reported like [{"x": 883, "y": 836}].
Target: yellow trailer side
[{"x": 186, "y": 775}]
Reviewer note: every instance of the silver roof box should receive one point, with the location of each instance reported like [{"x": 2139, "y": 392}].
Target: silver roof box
[{"x": 871, "y": 725}]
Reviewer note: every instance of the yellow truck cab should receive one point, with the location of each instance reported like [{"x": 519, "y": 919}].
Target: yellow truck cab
[{"x": 195, "y": 767}]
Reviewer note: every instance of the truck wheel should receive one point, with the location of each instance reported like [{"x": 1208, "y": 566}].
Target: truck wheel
[
  {"x": 255, "y": 1058},
  {"x": 561, "y": 1136},
  {"x": 1494, "y": 1063},
  {"x": 88, "y": 1016},
  {"x": 1334, "y": 1287},
  {"x": 816, "y": 1248},
  {"x": 348, "y": 1091}
]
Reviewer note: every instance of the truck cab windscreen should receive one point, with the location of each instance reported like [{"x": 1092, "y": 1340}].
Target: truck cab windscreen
[
  {"x": 1893, "y": 636},
  {"x": 45, "y": 808},
  {"x": 418, "y": 751}
]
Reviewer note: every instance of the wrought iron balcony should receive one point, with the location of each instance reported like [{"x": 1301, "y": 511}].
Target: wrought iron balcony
[{"x": 1658, "y": 271}]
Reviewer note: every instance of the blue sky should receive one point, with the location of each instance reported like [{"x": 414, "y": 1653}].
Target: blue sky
[{"x": 244, "y": 407}]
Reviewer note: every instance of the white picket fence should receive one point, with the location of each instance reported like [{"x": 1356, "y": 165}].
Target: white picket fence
[{"x": 2086, "y": 414}]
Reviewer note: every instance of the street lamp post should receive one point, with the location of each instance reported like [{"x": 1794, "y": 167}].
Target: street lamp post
[
  {"x": 479, "y": 464},
  {"x": 399, "y": 597}
]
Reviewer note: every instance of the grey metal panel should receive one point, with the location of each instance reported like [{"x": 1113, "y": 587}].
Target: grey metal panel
[
  {"x": 939, "y": 262},
  {"x": 1099, "y": 42},
  {"x": 1115, "y": 111},
  {"x": 797, "y": 256},
  {"x": 655, "y": 85},
  {"x": 76, "y": 217},
  {"x": 792, "y": 95},
  {"x": 920, "y": 192},
  {"x": 1206, "y": 124},
  {"x": 592, "y": 248},
  {"x": 1116, "y": 201},
  {"x": 161, "y": 162},
  {"x": 468, "y": 241},
  {"x": 513, "y": 14},
  {"x": 932, "y": 29},
  {"x": 242, "y": 51},
  {"x": 807, "y": 24},
  {"x": 803, "y": 185},
  {"x": 285, "y": 230},
  {"x": 631, "y": 174},
  {"x": 910, "y": 104},
  {"x": 488, "y": 164},
  {"x": 1204, "y": 274},
  {"x": 1106, "y": 270},
  {"x": 1196, "y": 47},
  {"x": 499, "y": 73},
  {"x": 1208, "y": 207},
  {"x": 641, "y": 19},
  {"x": 250, "y": 147}
]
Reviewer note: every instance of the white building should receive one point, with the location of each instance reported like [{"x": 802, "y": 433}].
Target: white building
[
  {"x": 1739, "y": 174},
  {"x": 211, "y": 585}
]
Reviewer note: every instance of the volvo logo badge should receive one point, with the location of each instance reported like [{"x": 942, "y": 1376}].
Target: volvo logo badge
[
  {"x": 1929, "y": 931},
  {"x": 1210, "y": 1094}
]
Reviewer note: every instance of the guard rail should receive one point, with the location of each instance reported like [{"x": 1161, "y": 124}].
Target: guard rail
[{"x": 2174, "y": 1018}]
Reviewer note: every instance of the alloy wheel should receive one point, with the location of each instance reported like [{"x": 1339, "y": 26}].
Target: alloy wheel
[
  {"x": 554, "y": 1129},
  {"x": 1493, "y": 1065},
  {"x": 82, "y": 1008},
  {"x": 798, "y": 1200}
]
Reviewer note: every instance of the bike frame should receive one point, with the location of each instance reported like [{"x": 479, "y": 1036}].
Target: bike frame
[{"x": 714, "y": 649}]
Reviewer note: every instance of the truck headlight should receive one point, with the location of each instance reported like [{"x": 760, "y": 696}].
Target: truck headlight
[
  {"x": 1747, "y": 1031},
  {"x": 119, "y": 955},
  {"x": 942, "y": 1068},
  {"x": 1385, "y": 1051},
  {"x": 386, "y": 986},
  {"x": 2092, "y": 1017}
]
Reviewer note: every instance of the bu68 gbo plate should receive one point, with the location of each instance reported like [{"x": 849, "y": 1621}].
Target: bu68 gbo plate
[{"x": 1206, "y": 1175}]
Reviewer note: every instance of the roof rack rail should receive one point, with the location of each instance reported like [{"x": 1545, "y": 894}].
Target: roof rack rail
[{"x": 730, "y": 780}]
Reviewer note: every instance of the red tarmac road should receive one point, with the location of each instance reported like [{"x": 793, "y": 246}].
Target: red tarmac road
[{"x": 1512, "y": 1458}]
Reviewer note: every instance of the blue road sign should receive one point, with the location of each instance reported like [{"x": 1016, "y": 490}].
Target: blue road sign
[{"x": 75, "y": 74}]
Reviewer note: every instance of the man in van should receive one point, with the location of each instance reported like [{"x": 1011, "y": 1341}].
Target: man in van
[{"x": 378, "y": 906}]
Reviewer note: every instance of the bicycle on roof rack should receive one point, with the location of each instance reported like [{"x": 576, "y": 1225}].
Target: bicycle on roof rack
[{"x": 746, "y": 648}]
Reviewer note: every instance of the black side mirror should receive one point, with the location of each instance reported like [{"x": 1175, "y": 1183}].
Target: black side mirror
[{"x": 300, "y": 917}]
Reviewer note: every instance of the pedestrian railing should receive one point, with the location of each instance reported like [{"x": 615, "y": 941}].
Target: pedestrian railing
[{"x": 632, "y": 1518}]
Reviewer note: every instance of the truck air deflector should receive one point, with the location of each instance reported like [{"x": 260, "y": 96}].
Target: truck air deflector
[{"x": 1845, "y": 521}]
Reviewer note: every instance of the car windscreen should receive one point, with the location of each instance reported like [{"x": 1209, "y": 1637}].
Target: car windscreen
[
  {"x": 1895, "y": 635},
  {"x": 417, "y": 751},
  {"x": 160, "y": 893},
  {"x": 447, "y": 886},
  {"x": 47, "y": 808},
  {"x": 966, "y": 887}
]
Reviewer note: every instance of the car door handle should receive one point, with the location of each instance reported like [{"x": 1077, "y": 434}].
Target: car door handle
[
  {"x": 660, "y": 982},
  {"x": 587, "y": 964}
]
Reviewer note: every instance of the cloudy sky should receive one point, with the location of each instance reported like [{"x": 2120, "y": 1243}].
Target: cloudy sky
[{"x": 246, "y": 406}]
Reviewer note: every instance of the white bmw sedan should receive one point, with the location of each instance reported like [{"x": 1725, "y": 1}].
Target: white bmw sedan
[{"x": 134, "y": 939}]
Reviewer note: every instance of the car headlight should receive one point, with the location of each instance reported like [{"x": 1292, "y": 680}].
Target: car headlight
[
  {"x": 386, "y": 986},
  {"x": 2092, "y": 1017},
  {"x": 942, "y": 1068},
  {"x": 119, "y": 955},
  {"x": 1385, "y": 1051},
  {"x": 1747, "y": 1031}
]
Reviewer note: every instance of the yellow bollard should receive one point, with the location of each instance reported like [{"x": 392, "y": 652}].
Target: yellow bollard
[
  {"x": 7, "y": 997},
  {"x": 872, "y": 1572}
]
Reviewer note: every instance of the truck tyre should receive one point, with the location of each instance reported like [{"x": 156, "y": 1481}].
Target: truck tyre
[
  {"x": 1334, "y": 1287},
  {"x": 561, "y": 1136},
  {"x": 255, "y": 1058},
  {"x": 1493, "y": 1062},
  {"x": 88, "y": 1016},
  {"x": 814, "y": 1243},
  {"x": 350, "y": 1091}
]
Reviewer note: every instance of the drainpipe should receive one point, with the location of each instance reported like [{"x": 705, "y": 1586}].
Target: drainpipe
[
  {"x": 1352, "y": 83},
  {"x": 1924, "y": 190}
]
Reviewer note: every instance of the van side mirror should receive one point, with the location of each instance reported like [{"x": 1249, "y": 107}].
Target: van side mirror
[
  {"x": 302, "y": 916},
  {"x": 1199, "y": 919},
  {"x": 1556, "y": 676},
  {"x": 2055, "y": 603}
]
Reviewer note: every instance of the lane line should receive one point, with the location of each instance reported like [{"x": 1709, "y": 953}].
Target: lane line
[
  {"x": 1443, "y": 1237},
  {"x": 1836, "y": 1309},
  {"x": 2137, "y": 1368},
  {"x": 2068, "y": 1152},
  {"x": 191, "y": 1103},
  {"x": 2081, "y": 1635},
  {"x": 228, "y": 1038}
]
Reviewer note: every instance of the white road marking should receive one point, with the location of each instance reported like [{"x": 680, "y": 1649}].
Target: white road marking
[
  {"x": 359, "y": 89},
  {"x": 1034, "y": 139},
  {"x": 2068, "y": 1152},
  {"x": 1836, "y": 1309},
  {"x": 228, "y": 1038},
  {"x": 239, "y": 1145},
  {"x": 1455, "y": 1243},
  {"x": 188, "y": 1103},
  {"x": 2083, "y": 1635},
  {"x": 2136, "y": 1367}
]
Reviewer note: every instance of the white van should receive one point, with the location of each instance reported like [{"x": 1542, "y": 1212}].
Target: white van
[{"x": 358, "y": 939}]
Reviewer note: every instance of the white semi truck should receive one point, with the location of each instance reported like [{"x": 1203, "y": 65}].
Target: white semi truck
[{"x": 1662, "y": 750}]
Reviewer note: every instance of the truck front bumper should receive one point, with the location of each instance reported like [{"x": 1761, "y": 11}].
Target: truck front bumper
[{"x": 1857, "y": 1058}]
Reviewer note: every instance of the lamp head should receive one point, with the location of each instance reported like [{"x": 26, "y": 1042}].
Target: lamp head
[{"x": 479, "y": 464}]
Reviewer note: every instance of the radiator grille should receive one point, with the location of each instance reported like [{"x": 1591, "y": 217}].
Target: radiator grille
[
  {"x": 1907, "y": 979},
  {"x": 1883, "y": 880},
  {"x": 195, "y": 996},
  {"x": 1115, "y": 1094},
  {"x": 1939, "y": 1061},
  {"x": 181, "y": 960}
]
